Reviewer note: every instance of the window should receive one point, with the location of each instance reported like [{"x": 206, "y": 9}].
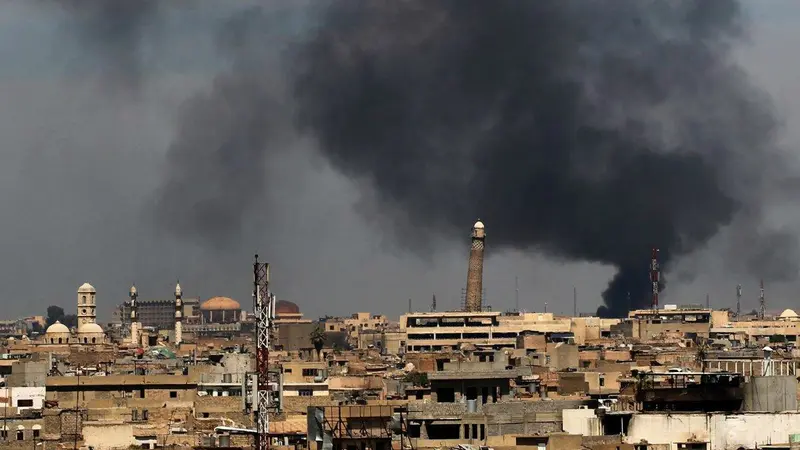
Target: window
[
  {"x": 36, "y": 432},
  {"x": 205, "y": 415},
  {"x": 25, "y": 403},
  {"x": 83, "y": 300},
  {"x": 602, "y": 381},
  {"x": 309, "y": 372},
  {"x": 305, "y": 392},
  {"x": 173, "y": 394},
  {"x": 4, "y": 434},
  {"x": 20, "y": 435},
  {"x": 287, "y": 370}
]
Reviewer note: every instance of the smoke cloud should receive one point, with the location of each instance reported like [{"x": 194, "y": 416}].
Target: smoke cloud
[
  {"x": 113, "y": 32},
  {"x": 216, "y": 165},
  {"x": 587, "y": 130}
]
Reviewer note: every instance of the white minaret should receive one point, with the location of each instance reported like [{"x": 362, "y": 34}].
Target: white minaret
[
  {"x": 86, "y": 304},
  {"x": 135, "y": 327},
  {"x": 178, "y": 314}
]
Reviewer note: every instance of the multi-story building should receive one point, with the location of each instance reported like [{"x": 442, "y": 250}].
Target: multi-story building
[{"x": 158, "y": 313}]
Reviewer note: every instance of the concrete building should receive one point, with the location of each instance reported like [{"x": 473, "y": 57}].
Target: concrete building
[
  {"x": 159, "y": 313},
  {"x": 305, "y": 379}
]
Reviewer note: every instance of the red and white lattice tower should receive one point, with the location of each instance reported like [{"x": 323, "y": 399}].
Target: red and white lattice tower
[
  {"x": 261, "y": 309},
  {"x": 655, "y": 277}
]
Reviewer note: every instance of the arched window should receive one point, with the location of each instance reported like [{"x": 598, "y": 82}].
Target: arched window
[
  {"x": 20, "y": 433},
  {"x": 59, "y": 340},
  {"x": 52, "y": 341},
  {"x": 85, "y": 340},
  {"x": 83, "y": 299},
  {"x": 94, "y": 340}
]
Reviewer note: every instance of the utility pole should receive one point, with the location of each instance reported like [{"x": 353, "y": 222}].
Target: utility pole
[
  {"x": 708, "y": 302},
  {"x": 516, "y": 293},
  {"x": 433, "y": 303},
  {"x": 77, "y": 408},
  {"x": 409, "y": 306},
  {"x": 574, "y": 301}
]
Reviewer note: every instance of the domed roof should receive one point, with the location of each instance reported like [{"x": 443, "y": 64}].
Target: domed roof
[
  {"x": 219, "y": 304},
  {"x": 478, "y": 225},
  {"x": 788, "y": 314},
  {"x": 57, "y": 327},
  {"x": 133, "y": 290},
  {"x": 286, "y": 307},
  {"x": 87, "y": 288},
  {"x": 90, "y": 328}
]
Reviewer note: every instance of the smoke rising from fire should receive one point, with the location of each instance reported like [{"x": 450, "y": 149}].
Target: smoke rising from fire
[{"x": 588, "y": 130}]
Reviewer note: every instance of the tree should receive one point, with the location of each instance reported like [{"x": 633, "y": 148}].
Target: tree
[
  {"x": 70, "y": 320},
  {"x": 54, "y": 313},
  {"x": 417, "y": 379},
  {"x": 317, "y": 339}
]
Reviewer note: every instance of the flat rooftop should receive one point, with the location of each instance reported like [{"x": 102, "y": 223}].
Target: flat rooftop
[{"x": 454, "y": 314}]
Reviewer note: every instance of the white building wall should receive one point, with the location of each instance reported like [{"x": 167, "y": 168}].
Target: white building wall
[
  {"x": 581, "y": 421},
  {"x": 15, "y": 394},
  {"x": 723, "y": 431}
]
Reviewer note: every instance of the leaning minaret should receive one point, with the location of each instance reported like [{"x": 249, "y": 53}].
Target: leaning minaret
[
  {"x": 474, "y": 297},
  {"x": 134, "y": 295},
  {"x": 178, "y": 314}
]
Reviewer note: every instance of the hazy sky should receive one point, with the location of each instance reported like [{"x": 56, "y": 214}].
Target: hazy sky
[{"x": 83, "y": 153}]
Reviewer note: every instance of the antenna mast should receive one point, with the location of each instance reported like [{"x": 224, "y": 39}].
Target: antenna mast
[
  {"x": 762, "y": 302},
  {"x": 655, "y": 277},
  {"x": 262, "y": 302},
  {"x": 516, "y": 293}
]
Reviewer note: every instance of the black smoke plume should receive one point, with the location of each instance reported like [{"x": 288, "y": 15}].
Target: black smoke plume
[
  {"x": 588, "y": 130},
  {"x": 216, "y": 163}
]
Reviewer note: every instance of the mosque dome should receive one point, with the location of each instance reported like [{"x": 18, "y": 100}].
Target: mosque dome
[
  {"x": 57, "y": 327},
  {"x": 220, "y": 304},
  {"x": 788, "y": 314},
  {"x": 286, "y": 307},
  {"x": 90, "y": 328},
  {"x": 87, "y": 288},
  {"x": 478, "y": 225}
]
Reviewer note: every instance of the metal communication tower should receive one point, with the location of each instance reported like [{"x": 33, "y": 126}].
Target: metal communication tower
[
  {"x": 655, "y": 277},
  {"x": 762, "y": 302},
  {"x": 262, "y": 307}
]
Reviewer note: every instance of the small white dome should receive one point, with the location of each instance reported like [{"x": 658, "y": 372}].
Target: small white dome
[
  {"x": 178, "y": 290},
  {"x": 133, "y": 290},
  {"x": 57, "y": 327},
  {"x": 87, "y": 288},
  {"x": 90, "y": 328},
  {"x": 788, "y": 314},
  {"x": 478, "y": 225}
]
